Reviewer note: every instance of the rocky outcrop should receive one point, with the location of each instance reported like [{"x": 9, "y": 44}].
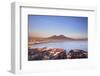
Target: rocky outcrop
[
  {"x": 76, "y": 54},
  {"x": 55, "y": 53},
  {"x": 46, "y": 53}
]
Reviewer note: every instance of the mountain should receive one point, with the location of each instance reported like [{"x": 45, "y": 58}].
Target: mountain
[
  {"x": 56, "y": 37},
  {"x": 60, "y": 37}
]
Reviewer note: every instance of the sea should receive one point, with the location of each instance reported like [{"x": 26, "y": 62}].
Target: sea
[{"x": 66, "y": 45}]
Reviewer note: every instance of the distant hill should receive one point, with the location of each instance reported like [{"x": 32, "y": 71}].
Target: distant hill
[
  {"x": 56, "y": 37},
  {"x": 60, "y": 37}
]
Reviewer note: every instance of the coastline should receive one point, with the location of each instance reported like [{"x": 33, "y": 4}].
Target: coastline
[
  {"x": 50, "y": 41},
  {"x": 55, "y": 53}
]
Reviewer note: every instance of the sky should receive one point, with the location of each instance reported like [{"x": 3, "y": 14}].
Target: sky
[{"x": 46, "y": 26}]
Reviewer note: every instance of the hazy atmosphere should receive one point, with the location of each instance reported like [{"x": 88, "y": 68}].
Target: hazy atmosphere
[{"x": 45, "y": 26}]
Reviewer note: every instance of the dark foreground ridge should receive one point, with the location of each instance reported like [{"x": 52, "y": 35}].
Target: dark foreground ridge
[{"x": 55, "y": 53}]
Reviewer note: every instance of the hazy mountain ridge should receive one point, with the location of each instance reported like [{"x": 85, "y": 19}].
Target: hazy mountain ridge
[
  {"x": 58, "y": 37},
  {"x": 55, "y": 38}
]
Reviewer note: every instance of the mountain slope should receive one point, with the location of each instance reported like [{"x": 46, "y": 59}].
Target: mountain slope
[{"x": 60, "y": 37}]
